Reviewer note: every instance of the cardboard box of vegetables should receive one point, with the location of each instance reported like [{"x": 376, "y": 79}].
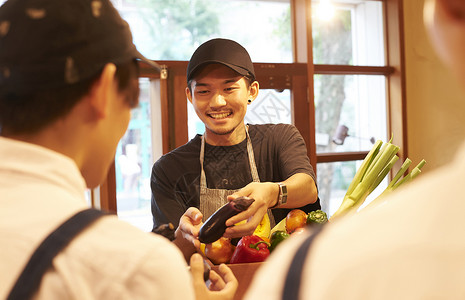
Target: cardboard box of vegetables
[{"x": 245, "y": 257}]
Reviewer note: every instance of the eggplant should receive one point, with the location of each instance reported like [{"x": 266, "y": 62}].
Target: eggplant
[{"x": 215, "y": 226}]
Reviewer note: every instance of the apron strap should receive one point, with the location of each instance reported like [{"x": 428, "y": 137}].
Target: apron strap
[
  {"x": 29, "y": 280},
  {"x": 294, "y": 275},
  {"x": 203, "y": 178},
  {"x": 253, "y": 166}
]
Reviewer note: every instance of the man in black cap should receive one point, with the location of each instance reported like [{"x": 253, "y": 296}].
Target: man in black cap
[
  {"x": 68, "y": 81},
  {"x": 268, "y": 163}
]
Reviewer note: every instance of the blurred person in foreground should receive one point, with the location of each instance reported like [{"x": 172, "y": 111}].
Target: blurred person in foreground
[
  {"x": 403, "y": 249},
  {"x": 68, "y": 81},
  {"x": 266, "y": 162}
]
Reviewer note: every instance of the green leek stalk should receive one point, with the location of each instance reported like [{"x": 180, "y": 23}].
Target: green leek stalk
[
  {"x": 364, "y": 167},
  {"x": 414, "y": 173},
  {"x": 399, "y": 173},
  {"x": 370, "y": 174},
  {"x": 384, "y": 173},
  {"x": 374, "y": 168},
  {"x": 346, "y": 202},
  {"x": 380, "y": 178},
  {"x": 397, "y": 181}
]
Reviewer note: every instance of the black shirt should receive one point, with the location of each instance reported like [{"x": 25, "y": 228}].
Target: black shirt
[{"x": 279, "y": 152}]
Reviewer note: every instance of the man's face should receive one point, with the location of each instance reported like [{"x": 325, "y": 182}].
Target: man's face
[
  {"x": 109, "y": 130},
  {"x": 219, "y": 96}
]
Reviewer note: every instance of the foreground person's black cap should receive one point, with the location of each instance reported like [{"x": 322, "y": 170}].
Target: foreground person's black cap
[
  {"x": 53, "y": 43},
  {"x": 222, "y": 51}
]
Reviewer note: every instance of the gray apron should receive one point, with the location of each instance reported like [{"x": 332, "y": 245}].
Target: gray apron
[{"x": 212, "y": 199}]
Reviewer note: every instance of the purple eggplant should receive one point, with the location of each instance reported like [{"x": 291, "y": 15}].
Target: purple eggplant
[{"x": 215, "y": 226}]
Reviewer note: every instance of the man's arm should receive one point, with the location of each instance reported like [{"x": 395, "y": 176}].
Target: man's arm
[
  {"x": 301, "y": 190},
  {"x": 294, "y": 167}
]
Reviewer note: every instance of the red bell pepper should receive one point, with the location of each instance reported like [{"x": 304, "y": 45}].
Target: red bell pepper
[{"x": 251, "y": 248}]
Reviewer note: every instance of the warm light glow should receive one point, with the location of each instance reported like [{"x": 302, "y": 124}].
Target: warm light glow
[{"x": 325, "y": 10}]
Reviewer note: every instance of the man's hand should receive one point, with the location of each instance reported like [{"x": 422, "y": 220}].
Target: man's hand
[
  {"x": 301, "y": 190},
  {"x": 265, "y": 195},
  {"x": 186, "y": 235},
  {"x": 222, "y": 286}
]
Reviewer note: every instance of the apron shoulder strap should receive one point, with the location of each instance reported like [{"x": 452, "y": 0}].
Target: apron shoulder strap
[
  {"x": 294, "y": 275},
  {"x": 31, "y": 276}
]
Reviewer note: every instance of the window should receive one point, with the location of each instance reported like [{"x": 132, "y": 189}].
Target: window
[
  {"x": 350, "y": 115},
  {"x": 172, "y": 30},
  {"x": 350, "y": 112},
  {"x": 350, "y": 107},
  {"x": 342, "y": 79},
  {"x": 348, "y": 32},
  {"x": 134, "y": 160}
]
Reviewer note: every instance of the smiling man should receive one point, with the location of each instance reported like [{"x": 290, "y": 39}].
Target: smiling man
[
  {"x": 268, "y": 163},
  {"x": 217, "y": 94}
]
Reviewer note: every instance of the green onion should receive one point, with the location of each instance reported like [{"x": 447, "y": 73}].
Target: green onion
[
  {"x": 399, "y": 173},
  {"x": 374, "y": 168},
  {"x": 363, "y": 167},
  {"x": 385, "y": 171},
  {"x": 414, "y": 173}
]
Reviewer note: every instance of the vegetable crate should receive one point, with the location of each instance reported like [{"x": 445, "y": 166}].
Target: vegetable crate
[{"x": 244, "y": 274}]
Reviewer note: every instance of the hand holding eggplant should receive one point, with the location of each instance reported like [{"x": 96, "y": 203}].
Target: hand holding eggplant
[
  {"x": 215, "y": 226},
  {"x": 265, "y": 195}
]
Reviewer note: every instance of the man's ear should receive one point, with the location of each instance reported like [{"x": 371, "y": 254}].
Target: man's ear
[
  {"x": 253, "y": 90},
  {"x": 103, "y": 90},
  {"x": 189, "y": 94}
]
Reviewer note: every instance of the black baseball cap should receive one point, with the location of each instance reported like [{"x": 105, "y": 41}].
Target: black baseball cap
[
  {"x": 222, "y": 51},
  {"x": 53, "y": 43}
]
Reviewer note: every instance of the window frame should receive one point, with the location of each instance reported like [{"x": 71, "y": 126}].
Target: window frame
[{"x": 394, "y": 72}]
